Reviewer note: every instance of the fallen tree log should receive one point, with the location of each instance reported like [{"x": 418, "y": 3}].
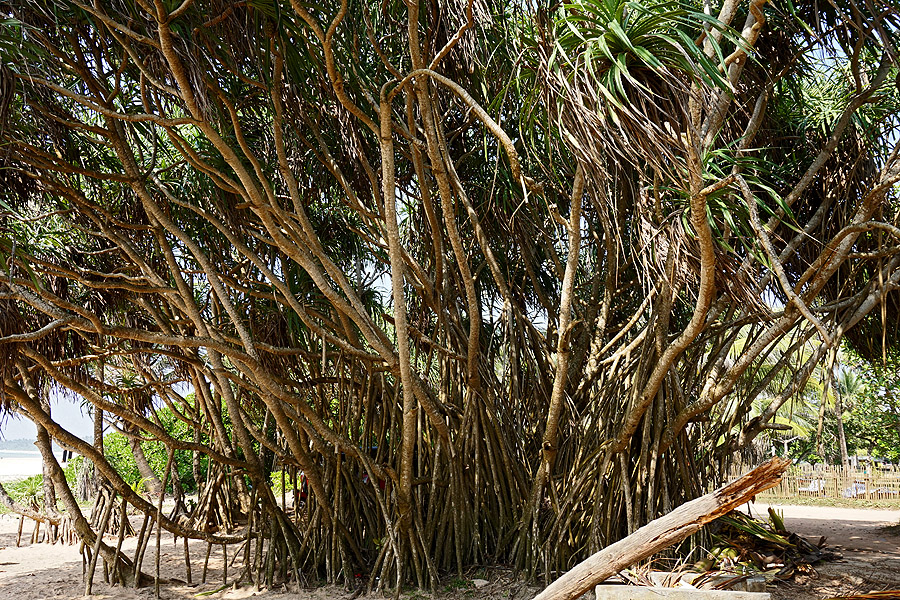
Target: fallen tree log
[{"x": 664, "y": 531}]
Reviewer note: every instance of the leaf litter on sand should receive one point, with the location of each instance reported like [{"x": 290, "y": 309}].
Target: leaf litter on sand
[
  {"x": 746, "y": 544},
  {"x": 745, "y": 549}
]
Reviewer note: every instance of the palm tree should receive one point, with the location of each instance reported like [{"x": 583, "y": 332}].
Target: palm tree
[{"x": 848, "y": 386}]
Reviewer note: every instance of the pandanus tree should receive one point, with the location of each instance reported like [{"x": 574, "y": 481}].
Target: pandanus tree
[{"x": 475, "y": 271}]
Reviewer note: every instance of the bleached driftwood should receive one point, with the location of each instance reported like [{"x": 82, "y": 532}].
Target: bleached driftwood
[{"x": 664, "y": 531}]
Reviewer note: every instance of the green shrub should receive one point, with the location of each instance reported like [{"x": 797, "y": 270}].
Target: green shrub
[
  {"x": 275, "y": 478},
  {"x": 73, "y": 468},
  {"x": 118, "y": 453},
  {"x": 27, "y": 492}
]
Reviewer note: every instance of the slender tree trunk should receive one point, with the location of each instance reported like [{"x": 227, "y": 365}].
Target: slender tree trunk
[
  {"x": 143, "y": 465},
  {"x": 549, "y": 445},
  {"x": 842, "y": 440},
  {"x": 43, "y": 441},
  {"x": 98, "y": 444},
  {"x": 826, "y": 385},
  {"x": 43, "y": 438},
  {"x": 409, "y": 418},
  {"x": 80, "y": 523},
  {"x": 195, "y": 461},
  {"x": 35, "y": 412},
  {"x": 820, "y": 442}
]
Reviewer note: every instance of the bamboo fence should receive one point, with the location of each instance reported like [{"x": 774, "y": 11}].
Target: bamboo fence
[{"x": 827, "y": 481}]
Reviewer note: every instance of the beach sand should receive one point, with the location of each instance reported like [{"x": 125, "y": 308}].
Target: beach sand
[
  {"x": 19, "y": 465},
  {"x": 44, "y": 571}
]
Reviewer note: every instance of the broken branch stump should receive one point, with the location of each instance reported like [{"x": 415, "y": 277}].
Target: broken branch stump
[{"x": 664, "y": 531}]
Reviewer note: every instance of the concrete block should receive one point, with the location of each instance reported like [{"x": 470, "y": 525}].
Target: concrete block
[{"x": 636, "y": 592}]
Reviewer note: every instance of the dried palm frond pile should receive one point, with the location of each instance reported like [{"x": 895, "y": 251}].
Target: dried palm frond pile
[
  {"x": 745, "y": 544},
  {"x": 690, "y": 579},
  {"x": 748, "y": 552}
]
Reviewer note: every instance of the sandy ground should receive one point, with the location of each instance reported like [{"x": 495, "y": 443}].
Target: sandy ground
[
  {"x": 869, "y": 545},
  {"x": 44, "y": 571},
  {"x": 14, "y": 466},
  {"x": 871, "y": 561}
]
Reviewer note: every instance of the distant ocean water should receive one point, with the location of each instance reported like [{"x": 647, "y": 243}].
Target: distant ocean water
[
  {"x": 19, "y": 453},
  {"x": 19, "y": 464}
]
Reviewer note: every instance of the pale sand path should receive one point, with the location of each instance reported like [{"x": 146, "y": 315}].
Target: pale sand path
[
  {"x": 850, "y": 529},
  {"x": 42, "y": 571},
  {"x": 871, "y": 552}
]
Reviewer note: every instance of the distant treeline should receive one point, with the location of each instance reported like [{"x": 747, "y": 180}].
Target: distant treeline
[{"x": 28, "y": 444}]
